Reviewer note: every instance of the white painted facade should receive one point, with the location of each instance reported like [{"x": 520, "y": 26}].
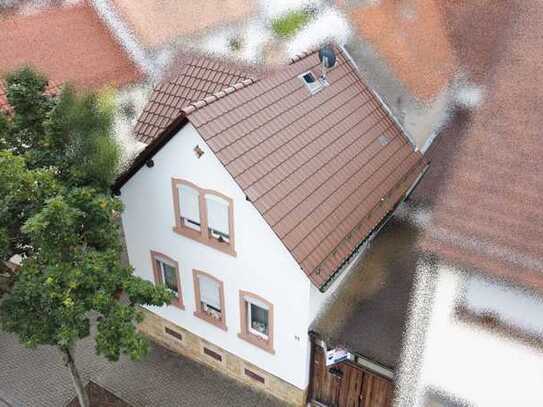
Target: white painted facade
[
  {"x": 262, "y": 266},
  {"x": 466, "y": 360}
]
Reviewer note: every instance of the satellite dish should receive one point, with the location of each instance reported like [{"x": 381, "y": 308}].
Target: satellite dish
[{"x": 327, "y": 57}]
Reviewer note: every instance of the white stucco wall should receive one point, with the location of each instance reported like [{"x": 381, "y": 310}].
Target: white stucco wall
[
  {"x": 262, "y": 266},
  {"x": 471, "y": 362}
]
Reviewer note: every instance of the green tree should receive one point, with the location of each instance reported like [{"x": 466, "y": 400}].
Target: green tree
[{"x": 57, "y": 161}]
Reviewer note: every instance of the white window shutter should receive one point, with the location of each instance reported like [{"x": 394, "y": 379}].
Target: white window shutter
[
  {"x": 189, "y": 203},
  {"x": 209, "y": 292},
  {"x": 217, "y": 214},
  {"x": 253, "y": 300}
]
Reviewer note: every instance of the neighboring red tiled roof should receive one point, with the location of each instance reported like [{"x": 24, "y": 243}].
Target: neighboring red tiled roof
[
  {"x": 323, "y": 170},
  {"x": 411, "y": 35},
  {"x": 193, "y": 78},
  {"x": 158, "y": 23},
  {"x": 486, "y": 208},
  {"x": 68, "y": 44}
]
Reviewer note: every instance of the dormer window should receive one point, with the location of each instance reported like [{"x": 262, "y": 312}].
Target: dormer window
[
  {"x": 311, "y": 82},
  {"x": 203, "y": 215}
]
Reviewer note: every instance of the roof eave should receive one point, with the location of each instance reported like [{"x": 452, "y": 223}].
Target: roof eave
[
  {"x": 324, "y": 286},
  {"x": 152, "y": 148}
]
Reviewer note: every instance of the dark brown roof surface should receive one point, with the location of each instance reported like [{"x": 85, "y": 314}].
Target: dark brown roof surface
[
  {"x": 322, "y": 169},
  {"x": 68, "y": 44},
  {"x": 192, "y": 80},
  {"x": 486, "y": 211},
  {"x": 375, "y": 294}
]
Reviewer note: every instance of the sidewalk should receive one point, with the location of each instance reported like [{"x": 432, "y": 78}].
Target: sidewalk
[{"x": 38, "y": 378}]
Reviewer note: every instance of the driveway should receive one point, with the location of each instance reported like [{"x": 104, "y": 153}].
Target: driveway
[{"x": 38, "y": 378}]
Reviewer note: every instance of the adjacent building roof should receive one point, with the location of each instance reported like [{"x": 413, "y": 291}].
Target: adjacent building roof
[
  {"x": 369, "y": 311},
  {"x": 192, "y": 78},
  {"x": 323, "y": 169},
  {"x": 488, "y": 216},
  {"x": 66, "y": 44},
  {"x": 412, "y": 37},
  {"x": 157, "y": 23}
]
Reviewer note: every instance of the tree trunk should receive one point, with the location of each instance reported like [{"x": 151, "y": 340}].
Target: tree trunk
[{"x": 82, "y": 395}]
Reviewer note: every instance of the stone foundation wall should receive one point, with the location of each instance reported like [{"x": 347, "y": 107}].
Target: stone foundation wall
[{"x": 183, "y": 342}]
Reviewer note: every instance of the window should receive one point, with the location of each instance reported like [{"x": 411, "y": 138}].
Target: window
[
  {"x": 254, "y": 376},
  {"x": 204, "y": 215},
  {"x": 189, "y": 206},
  {"x": 311, "y": 82},
  {"x": 166, "y": 272},
  {"x": 209, "y": 297},
  {"x": 212, "y": 354},
  {"x": 173, "y": 333},
  {"x": 258, "y": 318},
  {"x": 256, "y": 321},
  {"x": 217, "y": 218},
  {"x": 506, "y": 309}
]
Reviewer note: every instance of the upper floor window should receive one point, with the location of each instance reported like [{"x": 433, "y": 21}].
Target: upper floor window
[
  {"x": 256, "y": 321},
  {"x": 204, "y": 215},
  {"x": 189, "y": 206},
  {"x": 209, "y": 297},
  {"x": 217, "y": 217},
  {"x": 166, "y": 272}
]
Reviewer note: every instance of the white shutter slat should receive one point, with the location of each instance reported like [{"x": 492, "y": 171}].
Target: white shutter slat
[
  {"x": 209, "y": 292},
  {"x": 189, "y": 203},
  {"x": 217, "y": 214}
]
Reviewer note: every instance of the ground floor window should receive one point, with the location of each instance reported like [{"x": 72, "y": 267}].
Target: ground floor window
[
  {"x": 209, "y": 297},
  {"x": 166, "y": 272},
  {"x": 256, "y": 320}
]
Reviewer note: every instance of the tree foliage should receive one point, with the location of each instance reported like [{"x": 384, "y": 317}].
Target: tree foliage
[{"x": 57, "y": 160}]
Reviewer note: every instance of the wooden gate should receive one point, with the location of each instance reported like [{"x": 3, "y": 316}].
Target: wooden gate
[{"x": 347, "y": 385}]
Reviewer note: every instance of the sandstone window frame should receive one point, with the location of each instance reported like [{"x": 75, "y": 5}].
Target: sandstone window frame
[
  {"x": 158, "y": 279},
  {"x": 264, "y": 342},
  {"x": 199, "y": 312},
  {"x": 204, "y": 235}
]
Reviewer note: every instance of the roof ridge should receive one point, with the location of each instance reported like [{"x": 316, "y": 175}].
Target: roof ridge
[
  {"x": 304, "y": 54},
  {"x": 193, "y": 106}
]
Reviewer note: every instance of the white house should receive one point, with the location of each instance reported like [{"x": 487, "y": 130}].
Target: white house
[{"x": 249, "y": 202}]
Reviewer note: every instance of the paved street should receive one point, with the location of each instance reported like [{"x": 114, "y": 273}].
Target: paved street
[{"x": 31, "y": 378}]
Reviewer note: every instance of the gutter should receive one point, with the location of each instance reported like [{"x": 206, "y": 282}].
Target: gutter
[{"x": 374, "y": 232}]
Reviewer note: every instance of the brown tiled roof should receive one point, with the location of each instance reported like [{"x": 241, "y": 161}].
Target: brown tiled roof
[
  {"x": 68, "y": 44},
  {"x": 193, "y": 78},
  {"x": 323, "y": 169}
]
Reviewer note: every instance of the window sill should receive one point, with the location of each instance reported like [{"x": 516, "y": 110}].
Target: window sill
[
  {"x": 219, "y": 323},
  {"x": 263, "y": 344},
  {"x": 177, "y": 303},
  {"x": 202, "y": 238}
]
